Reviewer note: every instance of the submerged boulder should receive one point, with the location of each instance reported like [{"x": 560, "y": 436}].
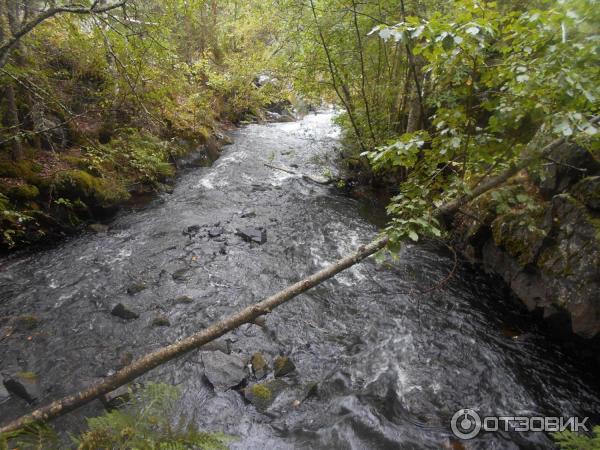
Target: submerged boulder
[{"x": 121, "y": 311}]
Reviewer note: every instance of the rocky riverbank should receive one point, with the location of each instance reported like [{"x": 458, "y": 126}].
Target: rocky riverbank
[{"x": 541, "y": 233}]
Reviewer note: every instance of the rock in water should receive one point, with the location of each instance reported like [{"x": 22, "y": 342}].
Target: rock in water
[
  {"x": 161, "y": 322},
  {"x": 118, "y": 398},
  {"x": 183, "y": 300},
  {"x": 18, "y": 389},
  {"x": 181, "y": 274},
  {"x": 135, "y": 288},
  {"x": 259, "y": 365},
  {"x": 4, "y": 394},
  {"x": 98, "y": 227},
  {"x": 215, "y": 232},
  {"x": 223, "y": 371},
  {"x": 251, "y": 234},
  {"x": 192, "y": 230},
  {"x": 121, "y": 311},
  {"x": 283, "y": 366},
  {"x": 262, "y": 395}
]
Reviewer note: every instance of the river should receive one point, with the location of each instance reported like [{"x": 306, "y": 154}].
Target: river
[{"x": 391, "y": 365}]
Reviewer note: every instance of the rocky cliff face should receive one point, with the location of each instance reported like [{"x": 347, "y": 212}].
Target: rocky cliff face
[{"x": 541, "y": 233}]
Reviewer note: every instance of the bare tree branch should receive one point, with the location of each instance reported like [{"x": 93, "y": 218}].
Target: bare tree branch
[{"x": 27, "y": 27}]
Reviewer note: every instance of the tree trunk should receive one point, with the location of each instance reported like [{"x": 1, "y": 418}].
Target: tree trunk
[{"x": 12, "y": 120}]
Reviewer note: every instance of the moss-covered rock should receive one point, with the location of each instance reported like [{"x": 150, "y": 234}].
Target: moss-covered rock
[
  {"x": 260, "y": 367},
  {"x": 262, "y": 395},
  {"x": 549, "y": 251},
  {"x": 24, "y": 192},
  {"x": 283, "y": 366},
  {"x": 521, "y": 235},
  {"x": 587, "y": 191},
  {"x": 79, "y": 184}
]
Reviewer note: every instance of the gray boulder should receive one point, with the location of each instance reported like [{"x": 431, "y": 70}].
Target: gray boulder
[{"x": 223, "y": 371}]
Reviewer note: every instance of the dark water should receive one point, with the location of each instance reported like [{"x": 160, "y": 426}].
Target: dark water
[{"x": 392, "y": 366}]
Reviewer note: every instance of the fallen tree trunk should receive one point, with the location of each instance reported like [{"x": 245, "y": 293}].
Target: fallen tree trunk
[
  {"x": 250, "y": 313},
  {"x": 303, "y": 175},
  {"x": 161, "y": 356}
]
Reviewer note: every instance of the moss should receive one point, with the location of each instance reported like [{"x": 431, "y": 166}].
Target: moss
[
  {"x": 78, "y": 184},
  {"x": 261, "y": 391},
  {"x": 24, "y": 192},
  {"x": 164, "y": 170},
  {"x": 27, "y": 376},
  {"x": 4, "y": 203},
  {"x": 8, "y": 169}
]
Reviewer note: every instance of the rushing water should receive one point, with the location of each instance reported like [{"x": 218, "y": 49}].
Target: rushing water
[{"x": 391, "y": 365}]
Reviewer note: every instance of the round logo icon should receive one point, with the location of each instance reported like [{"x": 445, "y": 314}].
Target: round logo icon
[{"x": 466, "y": 424}]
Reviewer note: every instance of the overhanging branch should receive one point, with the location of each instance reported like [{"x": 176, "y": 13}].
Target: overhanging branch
[{"x": 26, "y": 28}]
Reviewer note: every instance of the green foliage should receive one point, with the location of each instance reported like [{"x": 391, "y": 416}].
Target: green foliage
[
  {"x": 149, "y": 421},
  {"x": 133, "y": 155},
  {"x": 569, "y": 440},
  {"x": 31, "y": 437},
  {"x": 13, "y": 224},
  {"x": 502, "y": 83},
  {"x": 80, "y": 185}
]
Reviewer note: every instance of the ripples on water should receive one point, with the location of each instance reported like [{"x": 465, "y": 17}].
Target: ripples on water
[{"x": 392, "y": 366}]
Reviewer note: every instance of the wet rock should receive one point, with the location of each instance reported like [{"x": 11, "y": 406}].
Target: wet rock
[
  {"x": 98, "y": 227},
  {"x": 183, "y": 300},
  {"x": 121, "y": 311},
  {"x": 550, "y": 257},
  {"x": 222, "y": 370},
  {"x": 587, "y": 191},
  {"x": 260, "y": 367},
  {"x": 136, "y": 288},
  {"x": 215, "y": 232},
  {"x": 117, "y": 398},
  {"x": 181, "y": 274},
  {"x": 262, "y": 395},
  {"x": 24, "y": 385},
  {"x": 161, "y": 322},
  {"x": 192, "y": 230},
  {"x": 220, "y": 345},
  {"x": 4, "y": 394},
  {"x": 260, "y": 321},
  {"x": 251, "y": 234},
  {"x": 570, "y": 164},
  {"x": 283, "y": 366}
]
